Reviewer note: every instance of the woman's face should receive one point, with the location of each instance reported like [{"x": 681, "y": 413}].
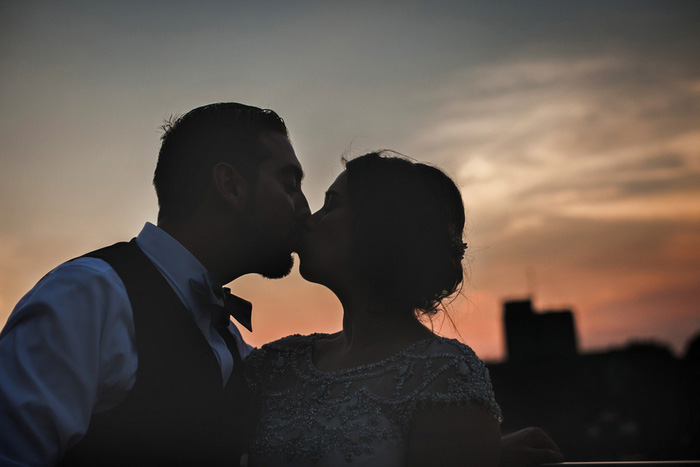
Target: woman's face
[{"x": 325, "y": 247}]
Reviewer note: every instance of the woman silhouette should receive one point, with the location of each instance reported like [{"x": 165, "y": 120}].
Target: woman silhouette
[{"x": 385, "y": 390}]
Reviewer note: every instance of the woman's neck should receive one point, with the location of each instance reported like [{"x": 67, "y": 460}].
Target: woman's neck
[{"x": 370, "y": 333}]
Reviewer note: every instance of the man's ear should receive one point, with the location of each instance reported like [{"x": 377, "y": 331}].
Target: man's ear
[{"x": 229, "y": 185}]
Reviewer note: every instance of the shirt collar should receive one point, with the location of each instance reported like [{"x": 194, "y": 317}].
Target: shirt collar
[{"x": 173, "y": 260}]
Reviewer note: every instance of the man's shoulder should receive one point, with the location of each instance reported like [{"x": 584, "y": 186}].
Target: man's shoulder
[
  {"x": 114, "y": 251},
  {"x": 92, "y": 263},
  {"x": 82, "y": 268},
  {"x": 77, "y": 279},
  {"x": 84, "y": 294}
]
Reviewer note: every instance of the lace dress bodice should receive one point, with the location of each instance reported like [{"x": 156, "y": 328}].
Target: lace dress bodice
[{"x": 360, "y": 415}]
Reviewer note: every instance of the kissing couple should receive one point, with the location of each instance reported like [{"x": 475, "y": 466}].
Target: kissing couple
[{"x": 128, "y": 355}]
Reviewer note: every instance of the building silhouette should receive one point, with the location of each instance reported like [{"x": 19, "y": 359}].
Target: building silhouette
[
  {"x": 536, "y": 336},
  {"x": 635, "y": 402}
]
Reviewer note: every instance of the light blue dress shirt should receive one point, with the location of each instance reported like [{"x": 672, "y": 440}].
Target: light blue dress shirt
[{"x": 68, "y": 349}]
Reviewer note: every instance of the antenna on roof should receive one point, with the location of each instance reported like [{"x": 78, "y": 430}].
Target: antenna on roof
[{"x": 530, "y": 282}]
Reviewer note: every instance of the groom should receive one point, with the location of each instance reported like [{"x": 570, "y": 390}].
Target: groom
[{"x": 127, "y": 355}]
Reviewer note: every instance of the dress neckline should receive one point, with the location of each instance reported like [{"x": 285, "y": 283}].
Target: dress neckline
[{"x": 308, "y": 356}]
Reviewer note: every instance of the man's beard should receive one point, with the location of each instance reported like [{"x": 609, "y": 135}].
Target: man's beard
[
  {"x": 277, "y": 266},
  {"x": 275, "y": 260}
]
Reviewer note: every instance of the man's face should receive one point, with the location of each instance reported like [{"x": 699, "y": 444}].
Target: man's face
[{"x": 277, "y": 208}]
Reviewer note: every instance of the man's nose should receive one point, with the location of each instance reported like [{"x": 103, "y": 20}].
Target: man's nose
[{"x": 302, "y": 208}]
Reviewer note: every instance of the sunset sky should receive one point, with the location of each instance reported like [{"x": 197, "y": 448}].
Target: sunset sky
[{"x": 572, "y": 128}]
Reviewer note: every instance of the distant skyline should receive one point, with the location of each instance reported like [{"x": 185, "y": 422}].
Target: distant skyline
[{"x": 572, "y": 128}]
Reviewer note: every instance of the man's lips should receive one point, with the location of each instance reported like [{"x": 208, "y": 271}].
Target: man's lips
[{"x": 298, "y": 233}]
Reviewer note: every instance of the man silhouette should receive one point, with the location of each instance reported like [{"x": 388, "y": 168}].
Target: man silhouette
[
  {"x": 124, "y": 356},
  {"x": 127, "y": 355}
]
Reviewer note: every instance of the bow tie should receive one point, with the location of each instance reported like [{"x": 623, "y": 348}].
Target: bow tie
[{"x": 222, "y": 299}]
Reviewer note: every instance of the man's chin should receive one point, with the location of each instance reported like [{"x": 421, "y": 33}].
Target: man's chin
[{"x": 279, "y": 268}]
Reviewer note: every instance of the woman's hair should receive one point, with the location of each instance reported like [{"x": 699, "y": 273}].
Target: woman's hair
[{"x": 407, "y": 228}]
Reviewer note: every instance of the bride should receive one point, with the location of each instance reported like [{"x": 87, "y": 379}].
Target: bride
[{"x": 385, "y": 390}]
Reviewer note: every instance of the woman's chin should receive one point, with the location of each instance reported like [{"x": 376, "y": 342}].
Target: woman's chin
[
  {"x": 310, "y": 274},
  {"x": 304, "y": 270}
]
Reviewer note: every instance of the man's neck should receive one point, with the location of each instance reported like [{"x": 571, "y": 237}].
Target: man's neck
[{"x": 203, "y": 241}]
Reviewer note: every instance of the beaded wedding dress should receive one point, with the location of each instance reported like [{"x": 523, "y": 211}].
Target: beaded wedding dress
[{"x": 358, "y": 415}]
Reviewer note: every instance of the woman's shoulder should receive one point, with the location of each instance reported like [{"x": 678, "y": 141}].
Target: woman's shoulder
[
  {"x": 295, "y": 343},
  {"x": 443, "y": 350},
  {"x": 451, "y": 372},
  {"x": 439, "y": 345}
]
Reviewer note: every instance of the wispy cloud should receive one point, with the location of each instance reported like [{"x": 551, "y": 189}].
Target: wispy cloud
[{"x": 583, "y": 168}]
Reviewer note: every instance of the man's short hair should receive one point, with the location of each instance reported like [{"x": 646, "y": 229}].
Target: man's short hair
[{"x": 193, "y": 143}]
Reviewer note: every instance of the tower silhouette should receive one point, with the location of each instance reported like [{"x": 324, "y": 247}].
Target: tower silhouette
[{"x": 534, "y": 336}]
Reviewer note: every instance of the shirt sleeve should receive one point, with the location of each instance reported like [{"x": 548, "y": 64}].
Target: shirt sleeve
[{"x": 66, "y": 352}]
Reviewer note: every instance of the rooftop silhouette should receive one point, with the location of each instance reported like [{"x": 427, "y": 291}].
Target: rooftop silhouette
[
  {"x": 636, "y": 402},
  {"x": 531, "y": 335}
]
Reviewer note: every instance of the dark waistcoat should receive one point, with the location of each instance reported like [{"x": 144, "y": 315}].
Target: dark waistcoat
[{"x": 177, "y": 413}]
